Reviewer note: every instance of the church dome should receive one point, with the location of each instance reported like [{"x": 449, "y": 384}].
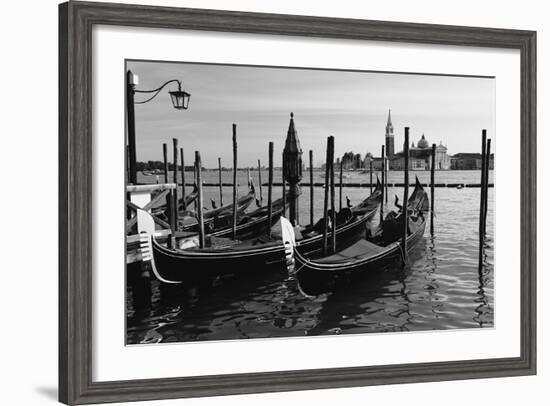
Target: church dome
[{"x": 423, "y": 143}]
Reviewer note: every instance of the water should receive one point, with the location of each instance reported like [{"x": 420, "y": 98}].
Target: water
[{"x": 440, "y": 288}]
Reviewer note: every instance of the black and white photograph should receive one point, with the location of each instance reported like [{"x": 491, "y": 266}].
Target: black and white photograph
[{"x": 269, "y": 202}]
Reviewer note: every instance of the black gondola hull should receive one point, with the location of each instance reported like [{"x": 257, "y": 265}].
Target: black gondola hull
[
  {"x": 315, "y": 282},
  {"x": 192, "y": 265}
]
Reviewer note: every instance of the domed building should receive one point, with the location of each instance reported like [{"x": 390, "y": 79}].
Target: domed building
[
  {"x": 423, "y": 143},
  {"x": 420, "y": 157}
]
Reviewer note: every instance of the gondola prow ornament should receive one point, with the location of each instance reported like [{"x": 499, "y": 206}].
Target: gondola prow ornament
[
  {"x": 289, "y": 241},
  {"x": 292, "y": 169}
]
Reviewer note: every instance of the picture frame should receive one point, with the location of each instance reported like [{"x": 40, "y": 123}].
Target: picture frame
[{"x": 76, "y": 20}]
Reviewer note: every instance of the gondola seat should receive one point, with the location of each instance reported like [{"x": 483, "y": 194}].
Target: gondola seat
[{"x": 359, "y": 250}]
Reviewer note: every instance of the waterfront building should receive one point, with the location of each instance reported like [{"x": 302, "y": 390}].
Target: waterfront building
[
  {"x": 469, "y": 161},
  {"x": 351, "y": 161},
  {"x": 420, "y": 157}
]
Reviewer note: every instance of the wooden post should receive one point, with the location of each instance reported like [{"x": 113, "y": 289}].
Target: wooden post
[
  {"x": 284, "y": 188},
  {"x": 311, "y": 187},
  {"x": 341, "y": 174},
  {"x": 325, "y": 206},
  {"x": 248, "y": 179},
  {"x": 195, "y": 183},
  {"x": 482, "y": 199},
  {"x": 198, "y": 165},
  {"x": 234, "y": 182},
  {"x": 270, "y": 189},
  {"x": 220, "y": 180},
  {"x": 128, "y": 164},
  {"x": 432, "y": 190},
  {"x": 370, "y": 177},
  {"x": 260, "y": 181},
  {"x": 183, "y": 180},
  {"x": 169, "y": 198},
  {"x": 165, "y": 156},
  {"x": 332, "y": 204},
  {"x": 175, "y": 176},
  {"x": 406, "y": 198},
  {"x": 386, "y": 179},
  {"x": 383, "y": 187},
  {"x": 487, "y": 162}
]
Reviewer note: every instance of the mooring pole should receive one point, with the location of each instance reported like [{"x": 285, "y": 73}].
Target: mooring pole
[
  {"x": 482, "y": 199},
  {"x": 386, "y": 179},
  {"x": 195, "y": 183},
  {"x": 332, "y": 204},
  {"x": 270, "y": 189},
  {"x": 165, "y": 157},
  {"x": 200, "y": 204},
  {"x": 432, "y": 190},
  {"x": 260, "y": 181},
  {"x": 341, "y": 175},
  {"x": 234, "y": 182},
  {"x": 370, "y": 184},
  {"x": 183, "y": 180},
  {"x": 311, "y": 187},
  {"x": 487, "y": 164},
  {"x": 284, "y": 189},
  {"x": 406, "y": 198},
  {"x": 169, "y": 198},
  {"x": 383, "y": 187},
  {"x": 175, "y": 176},
  {"x": 220, "y": 185},
  {"x": 325, "y": 205}
]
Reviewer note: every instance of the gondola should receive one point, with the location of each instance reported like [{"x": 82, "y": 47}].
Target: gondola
[
  {"x": 160, "y": 208},
  {"x": 220, "y": 218},
  {"x": 252, "y": 224},
  {"x": 367, "y": 255},
  {"x": 225, "y": 256}
]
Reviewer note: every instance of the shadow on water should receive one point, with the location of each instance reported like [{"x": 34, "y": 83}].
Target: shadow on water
[
  {"x": 432, "y": 286},
  {"x": 370, "y": 303},
  {"x": 484, "y": 311}
]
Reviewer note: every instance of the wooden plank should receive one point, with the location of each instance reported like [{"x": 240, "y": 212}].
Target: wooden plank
[{"x": 150, "y": 188}]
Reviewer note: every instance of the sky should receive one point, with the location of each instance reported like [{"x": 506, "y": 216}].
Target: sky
[{"x": 351, "y": 106}]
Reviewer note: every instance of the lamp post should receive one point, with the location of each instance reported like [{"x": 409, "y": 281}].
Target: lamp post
[{"x": 180, "y": 100}]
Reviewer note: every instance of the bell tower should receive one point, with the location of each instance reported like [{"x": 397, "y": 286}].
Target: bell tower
[{"x": 389, "y": 137}]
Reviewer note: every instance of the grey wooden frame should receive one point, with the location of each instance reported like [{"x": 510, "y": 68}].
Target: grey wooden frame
[{"x": 76, "y": 20}]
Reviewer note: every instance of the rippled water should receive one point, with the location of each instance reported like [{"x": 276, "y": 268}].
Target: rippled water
[{"x": 440, "y": 288}]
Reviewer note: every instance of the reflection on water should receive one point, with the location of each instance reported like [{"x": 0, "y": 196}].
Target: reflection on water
[{"x": 440, "y": 288}]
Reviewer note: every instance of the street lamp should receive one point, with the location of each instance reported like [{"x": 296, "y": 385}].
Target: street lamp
[{"x": 180, "y": 100}]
